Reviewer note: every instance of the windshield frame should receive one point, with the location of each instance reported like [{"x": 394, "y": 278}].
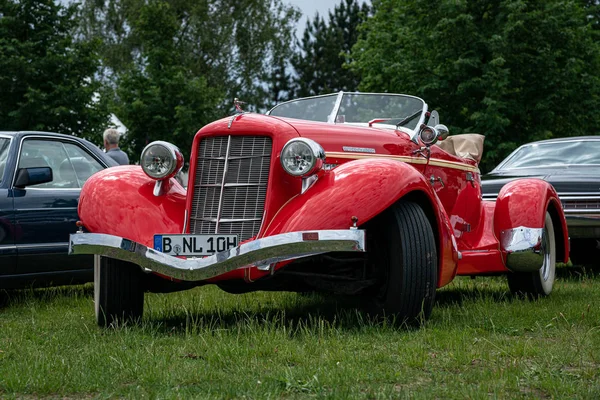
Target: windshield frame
[{"x": 335, "y": 110}]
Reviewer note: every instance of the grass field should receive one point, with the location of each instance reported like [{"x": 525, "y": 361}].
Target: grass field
[{"x": 204, "y": 343}]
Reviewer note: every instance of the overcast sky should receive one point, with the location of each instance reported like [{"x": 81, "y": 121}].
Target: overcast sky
[{"x": 310, "y": 7}]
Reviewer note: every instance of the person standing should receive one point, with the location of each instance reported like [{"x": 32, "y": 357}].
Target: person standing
[{"x": 111, "y": 145}]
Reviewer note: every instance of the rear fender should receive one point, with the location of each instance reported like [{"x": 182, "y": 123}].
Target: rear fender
[
  {"x": 364, "y": 189},
  {"x": 120, "y": 201},
  {"x": 523, "y": 203}
]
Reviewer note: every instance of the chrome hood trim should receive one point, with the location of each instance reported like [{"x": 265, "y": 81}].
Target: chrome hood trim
[{"x": 260, "y": 252}]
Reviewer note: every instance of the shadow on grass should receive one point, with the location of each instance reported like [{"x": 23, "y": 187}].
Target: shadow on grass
[
  {"x": 310, "y": 313},
  {"x": 16, "y": 297},
  {"x": 456, "y": 296},
  {"x": 578, "y": 272}
]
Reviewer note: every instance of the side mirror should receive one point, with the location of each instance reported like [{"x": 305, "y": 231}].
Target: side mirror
[
  {"x": 33, "y": 176},
  {"x": 442, "y": 130}
]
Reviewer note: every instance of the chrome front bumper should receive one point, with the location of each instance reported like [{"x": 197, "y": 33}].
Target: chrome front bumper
[{"x": 260, "y": 252}]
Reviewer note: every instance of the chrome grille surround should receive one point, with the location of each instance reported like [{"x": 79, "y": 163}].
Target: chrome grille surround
[{"x": 230, "y": 185}]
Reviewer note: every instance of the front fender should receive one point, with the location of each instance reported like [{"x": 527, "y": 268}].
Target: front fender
[
  {"x": 364, "y": 189},
  {"x": 361, "y": 188},
  {"x": 522, "y": 204},
  {"x": 120, "y": 201}
]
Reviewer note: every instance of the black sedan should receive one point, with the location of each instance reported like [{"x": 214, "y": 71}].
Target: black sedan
[
  {"x": 41, "y": 175},
  {"x": 572, "y": 166}
]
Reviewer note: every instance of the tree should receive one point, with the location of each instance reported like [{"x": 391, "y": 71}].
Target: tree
[
  {"x": 320, "y": 64},
  {"x": 158, "y": 97},
  {"x": 592, "y": 10},
  {"x": 47, "y": 78},
  {"x": 234, "y": 44},
  {"x": 514, "y": 70},
  {"x": 176, "y": 65}
]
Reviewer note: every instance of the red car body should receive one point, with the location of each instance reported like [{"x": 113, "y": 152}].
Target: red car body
[{"x": 367, "y": 170}]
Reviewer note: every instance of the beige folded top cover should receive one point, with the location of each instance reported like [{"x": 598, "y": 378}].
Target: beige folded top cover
[{"x": 468, "y": 145}]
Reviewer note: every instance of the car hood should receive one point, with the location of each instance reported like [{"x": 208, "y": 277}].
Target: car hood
[{"x": 564, "y": 180}]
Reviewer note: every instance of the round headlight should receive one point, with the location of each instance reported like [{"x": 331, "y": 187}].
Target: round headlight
[
  {"x": 161, "y": 160},
  {"x": 428, "y": 135},
  {"x": 301, "y": 157}
]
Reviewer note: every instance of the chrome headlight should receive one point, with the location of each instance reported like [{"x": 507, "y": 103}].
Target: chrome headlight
[
  {"x": 161, "y": 160},
  {"x": 302, "y": 157}
]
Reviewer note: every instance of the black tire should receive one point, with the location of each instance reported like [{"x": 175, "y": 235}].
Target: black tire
[
  {"x": 585, "y": 252},
  {"x": 538, "y": 283},
  {"x": 118, "y": 292},
  {"x": 408, "y": 258}
]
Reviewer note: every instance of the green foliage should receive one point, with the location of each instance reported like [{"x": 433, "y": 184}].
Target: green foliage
[
  {"x": 176, "y": 65},
  {"x": 514, "y": 70},
  {"x": 157, "y": 97},
  {"x": 323, "y": 53},
  {"x": 47, "y": 78}
]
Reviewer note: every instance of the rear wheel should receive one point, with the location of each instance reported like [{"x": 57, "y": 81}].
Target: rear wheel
[
  {"x": 407, "y": 257},
  {"x": 118, "y": 291},
  {"x": 538, "y": 283}
]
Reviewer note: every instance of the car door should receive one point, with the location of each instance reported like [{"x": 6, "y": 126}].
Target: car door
[
  {"x": 46, "y": 214},
  {"x": 8, "y": 250}
]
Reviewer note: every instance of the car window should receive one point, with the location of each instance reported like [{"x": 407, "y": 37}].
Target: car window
[
  {"x": 48, "y": 153},
  {"x": 84, "y": 164},
  {"x": 4, "y": 146}
]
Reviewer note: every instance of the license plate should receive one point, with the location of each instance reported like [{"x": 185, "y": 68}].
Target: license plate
[{"x": 194, "y": 245}]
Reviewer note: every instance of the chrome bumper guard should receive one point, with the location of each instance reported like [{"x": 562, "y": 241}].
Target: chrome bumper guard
[
  {"x": 260, "y": 252},
  {"x": 523, "y": 247}
]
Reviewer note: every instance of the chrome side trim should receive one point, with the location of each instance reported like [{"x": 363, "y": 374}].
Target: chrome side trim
[
  {"x": 579, "y": 196},
  {"x": 41, "y": 245},
  {"x": 522, "y": 246},
  {"x": 45, "y": 209},
  {"x": 575, "y": 211},
  {"x": 260, "y": 252}
]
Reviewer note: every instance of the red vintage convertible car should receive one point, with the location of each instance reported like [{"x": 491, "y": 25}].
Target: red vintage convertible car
[{"x": 353, "y": 193}]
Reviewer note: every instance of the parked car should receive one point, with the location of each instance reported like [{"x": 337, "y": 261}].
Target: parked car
[
  {"x": 41, "y": 175},
  {"x": 572, "y": 166},
  {"x": 346, "y": 193}
]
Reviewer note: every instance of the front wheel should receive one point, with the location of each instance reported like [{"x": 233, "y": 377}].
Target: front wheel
[
  {"x": 408, "y": 261},
  {"x": 538, "y": 283},
  {"x": 118, "y": 291}
]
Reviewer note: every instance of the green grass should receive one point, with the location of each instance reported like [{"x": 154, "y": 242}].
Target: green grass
[{"x": 479, "y": 343}]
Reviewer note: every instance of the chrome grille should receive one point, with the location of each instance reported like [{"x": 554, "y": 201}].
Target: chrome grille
[
  {"x": 230, "y": 185},
  {"x": 580, "y": 201}
]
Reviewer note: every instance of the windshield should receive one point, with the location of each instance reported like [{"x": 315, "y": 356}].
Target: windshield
[
  {"x": 355, "y": 108},
  {"x": 579, "y": 152}
]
